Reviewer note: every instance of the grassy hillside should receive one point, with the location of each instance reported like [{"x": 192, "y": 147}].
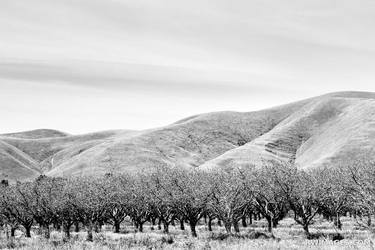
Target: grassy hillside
[
  {"x": 313, "y": 132},
  {"x": 187, "y": 144},
  {"x": 37, "y": 134},
  {"x": 25, "y": 157},
  {"x": 15, "y": 164},
  {"x": 322, "y": 132}
]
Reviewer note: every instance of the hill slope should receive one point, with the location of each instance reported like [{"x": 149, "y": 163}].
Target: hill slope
[
  {"x": 37, "y": 134},
  {"x": 322, "y": 132},
  {"x": 15, "y": 164},
  {"x": 187, "y": 143},
  {"x": 313, "y": 132},
  {"x": 20, "y": 154}
]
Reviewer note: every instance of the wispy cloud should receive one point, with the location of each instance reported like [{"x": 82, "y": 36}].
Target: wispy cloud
[{"x": 204, "y": 55}]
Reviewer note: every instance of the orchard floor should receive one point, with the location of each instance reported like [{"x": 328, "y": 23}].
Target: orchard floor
[{"x": 288, "y": 235}]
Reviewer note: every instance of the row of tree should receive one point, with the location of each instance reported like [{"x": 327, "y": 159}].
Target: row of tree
[{"x": 167, "y": 196}]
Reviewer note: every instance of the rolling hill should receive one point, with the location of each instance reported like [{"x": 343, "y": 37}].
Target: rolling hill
[
  {"x": 313, "y": 132},
  {"x": 323, "y": 132}
]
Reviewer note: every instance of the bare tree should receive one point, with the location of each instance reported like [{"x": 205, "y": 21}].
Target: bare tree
[
  {"x": 67, "y": 207},
  {"x": 229, "y": 197},
  {"x": 359, "y": 183},
  {"x": 91, "y": 200},
  {"x": 117, "y": 190},
  {"x": 159, "y": 196},
  {"x": 334, "y": 198},
  {"x": 7, "y": 218},
  {"x": 16, "y": 203},
  {"x": 45, "y": 192},
  {"x": 189, "y": 194},
  {"x": 268, "y": 198},
  {"x": 139, "y": 204}
]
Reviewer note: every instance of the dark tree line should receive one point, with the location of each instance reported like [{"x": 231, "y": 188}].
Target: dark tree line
[{"x": 167, "y": 196}]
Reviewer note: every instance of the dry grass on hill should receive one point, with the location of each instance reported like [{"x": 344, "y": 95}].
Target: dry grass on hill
[
  {"x": 186, "y": 143},
  {"x": 15, "y": 164},
  {"x": 322, "y": 132},
  {"x": 24, "y": 158},
  {"x": 313, "y": 132},
  {"x": 37, "y": 134}
]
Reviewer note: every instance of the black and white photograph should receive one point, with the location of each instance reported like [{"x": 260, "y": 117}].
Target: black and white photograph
[{"x": 187, "y": 124}]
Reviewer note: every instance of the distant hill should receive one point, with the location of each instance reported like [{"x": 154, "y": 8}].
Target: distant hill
[
  {"x": 42, "y": 153},
  {"x": 313, "y": 132},
  {"x": 37, "y": 134}
]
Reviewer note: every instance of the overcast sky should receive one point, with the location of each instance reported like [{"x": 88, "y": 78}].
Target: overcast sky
[{"x": 87, "y": 65}]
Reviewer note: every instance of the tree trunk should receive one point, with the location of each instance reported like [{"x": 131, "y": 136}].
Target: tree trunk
[
  {"x": 28, "y": 231},
  {"x": 12, "y": 232},
  {"x": 89, "y": 232},
  {"x": 269, "y": 220},
  {"x": 210, "y": 224},
  {"x": 251, "y": 219},
  {"x": 166, "y": 227},
  {"x": 117, "y": 227},
  {"x": 193, "y": 230},
  {"x": 182, "y": 224},
  {"x": 219, "y": 223},
  {"x": 228, "y": 226},
  {"x": 236, "y": 227},
  {"x": 97, "y": 227},
  {"x": 369, "y": 220},
  {"x": 153, "y": 223},
  {"x": 57, "y": 226},
  {"x": 274, "y": 223},
  {"x": 243, "y": 219},
  {"x": 140, "y": 227},
  {"x": 306, "y": 229},
  {"x": 337, "y": 222},
  {"x": 7, "y": 231},
  {"x": 40, "y": 229},
  {"x": 76, "y": 226},
  {"x": 66, "y": 228},
  {"x": 159, "y": 224},
  {"x": 47, "y": 233}
]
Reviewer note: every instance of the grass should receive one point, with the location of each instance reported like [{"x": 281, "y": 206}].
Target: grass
[{"x": 287, "y": 236}]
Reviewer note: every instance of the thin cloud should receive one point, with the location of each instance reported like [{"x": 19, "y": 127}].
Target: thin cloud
[{"x": 143, "y": 57}]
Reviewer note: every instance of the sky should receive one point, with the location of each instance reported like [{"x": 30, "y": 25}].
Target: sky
[{"x": 88, "y": 65}]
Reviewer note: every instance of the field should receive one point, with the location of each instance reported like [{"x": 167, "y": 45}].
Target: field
[{"x": 288, "y": 235}]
